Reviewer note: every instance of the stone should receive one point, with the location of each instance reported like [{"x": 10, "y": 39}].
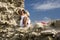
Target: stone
[{"x": 9, "y": 18}]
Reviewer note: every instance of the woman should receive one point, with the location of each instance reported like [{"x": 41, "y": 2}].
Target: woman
[{"x": 24, "y": 18}]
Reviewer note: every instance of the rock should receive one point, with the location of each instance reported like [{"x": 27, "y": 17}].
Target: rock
[{"x": 9, "y": 18}]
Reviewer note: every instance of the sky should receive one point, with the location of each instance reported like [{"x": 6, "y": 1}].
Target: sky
[{"x": 43, "y": 9}]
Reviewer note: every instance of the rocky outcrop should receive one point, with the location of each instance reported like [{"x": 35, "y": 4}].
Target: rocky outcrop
[{"x": 9, "y": 19}]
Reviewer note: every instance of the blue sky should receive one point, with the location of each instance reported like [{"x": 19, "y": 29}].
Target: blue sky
[{"x": 40, "y": 9}]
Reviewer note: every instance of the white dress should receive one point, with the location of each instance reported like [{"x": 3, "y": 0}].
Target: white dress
[
  {"x": 21, "y": 21},
  {"x": 28, "y": 21}
]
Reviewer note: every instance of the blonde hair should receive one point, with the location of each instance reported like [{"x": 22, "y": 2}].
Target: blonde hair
[{"x": 27, "y": 13}]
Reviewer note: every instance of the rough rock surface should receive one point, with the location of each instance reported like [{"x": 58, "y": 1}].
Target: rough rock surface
[{"x": 9, "y": 19}]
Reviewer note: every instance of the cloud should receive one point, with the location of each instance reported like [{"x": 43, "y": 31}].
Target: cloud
[
  {"x": 47, "y": 18},
  {"x": 47, "y": 5}
]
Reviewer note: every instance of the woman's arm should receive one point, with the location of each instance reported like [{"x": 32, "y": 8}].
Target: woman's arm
[{"x": 25, "y": 21}]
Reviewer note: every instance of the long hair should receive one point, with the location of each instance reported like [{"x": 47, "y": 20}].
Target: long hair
[{"x": 19, "y": 11}]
